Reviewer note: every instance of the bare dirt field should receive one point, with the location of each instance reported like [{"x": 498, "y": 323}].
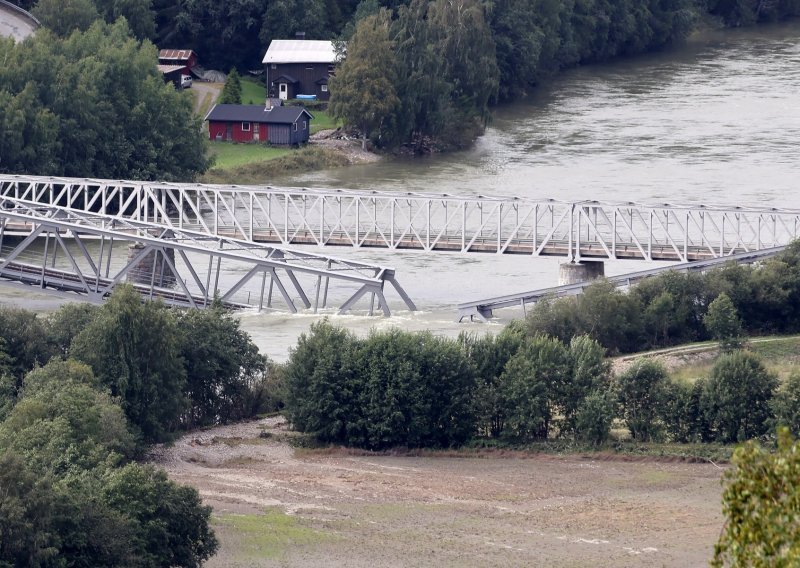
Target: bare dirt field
[{"x": 277, "y": 506}]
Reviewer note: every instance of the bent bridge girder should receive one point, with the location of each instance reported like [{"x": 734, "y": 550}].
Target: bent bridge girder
[{"x": 181, "y": 266}]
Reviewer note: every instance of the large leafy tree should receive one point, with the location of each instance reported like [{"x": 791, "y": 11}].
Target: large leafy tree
[
  {"x": 94, "y": 104},
  {"x": 134, "y": 350},
  {"x": 223, "y": 367},
  {"x": 364, "y": 90}
]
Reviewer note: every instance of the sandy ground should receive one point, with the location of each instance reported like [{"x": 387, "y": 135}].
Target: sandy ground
[
  {"x": 333, "y": 508},
  {"x": 350, "y": 148}
]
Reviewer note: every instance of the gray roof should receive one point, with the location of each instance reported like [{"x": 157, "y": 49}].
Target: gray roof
[
  {"x": 300, "y": 51},
  {"x": 256, "y": 113}
]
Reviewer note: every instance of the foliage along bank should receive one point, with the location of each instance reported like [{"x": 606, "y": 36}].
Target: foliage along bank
[
  {"x": 82, "y": 393},
  {"x": 548, "y": 378}
]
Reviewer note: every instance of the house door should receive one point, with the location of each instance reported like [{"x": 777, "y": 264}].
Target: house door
[
  {"x": 255, "y": 132},
  {"x": 283, "y": 91},
  {"x": 229, "y": 132}
]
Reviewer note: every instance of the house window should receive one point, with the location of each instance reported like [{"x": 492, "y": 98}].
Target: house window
[
  {"x": 309, "y": 68},
  {"x": 245, "y": 127},
  {"x": 295, "y": 126},
  {"x": 324, "y": 88},
  {"x": 305, "y": 124},
  {"x": 274, "y": 66}
]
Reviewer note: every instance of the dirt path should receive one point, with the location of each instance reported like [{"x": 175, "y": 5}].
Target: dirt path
[
  {"x": 274, "y": 506},
  {"x": 204, "y": 96}
]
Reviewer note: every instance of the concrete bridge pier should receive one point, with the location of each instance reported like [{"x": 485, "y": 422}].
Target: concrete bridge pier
[{"x": 582, "y": 271}]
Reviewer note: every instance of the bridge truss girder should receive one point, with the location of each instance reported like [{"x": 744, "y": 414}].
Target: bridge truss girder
[
  {"x": 589, "y": 230},
  {"x": 181, "y": 267}
]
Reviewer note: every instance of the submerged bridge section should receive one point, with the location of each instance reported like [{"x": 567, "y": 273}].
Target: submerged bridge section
[
  {"x": 70, "y": 252},
  {"x": 482, "y": 310},
  {"x": 581, "y": 230}
]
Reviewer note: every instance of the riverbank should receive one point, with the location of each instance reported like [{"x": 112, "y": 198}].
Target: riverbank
[{"x": 326, "y": 149}]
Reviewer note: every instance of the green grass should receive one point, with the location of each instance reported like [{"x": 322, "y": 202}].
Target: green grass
[
  {"x": 781, "y": 355},
  {"x": 323, "y": 121},
  {"x": 253, "y": 92},
  {"x": 229, "y": 156},
  {"x": 306, "y": 159},
  {"x": 269, "y": 535}
]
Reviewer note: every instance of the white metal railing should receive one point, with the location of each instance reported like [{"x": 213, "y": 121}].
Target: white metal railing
[{"x": 428, "y": 222}]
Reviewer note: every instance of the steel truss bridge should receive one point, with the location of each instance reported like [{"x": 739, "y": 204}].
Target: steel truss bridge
[
  {"x": 69, "y": 252},
  {"x": 581, "y": 230}
]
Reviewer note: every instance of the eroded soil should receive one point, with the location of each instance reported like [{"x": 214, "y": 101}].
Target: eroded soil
[{"x": 277, "y": 506}]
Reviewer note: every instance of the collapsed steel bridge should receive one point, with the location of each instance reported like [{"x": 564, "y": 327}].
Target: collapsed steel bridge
[
  {"x": 589, "y": 230},
  {"x": 69, "y": 252}
]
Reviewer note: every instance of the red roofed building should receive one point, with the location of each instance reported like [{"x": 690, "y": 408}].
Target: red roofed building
[{"x": 185, "y": 59}]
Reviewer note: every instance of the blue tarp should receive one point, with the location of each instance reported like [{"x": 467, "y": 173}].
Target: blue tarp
[{"x": 307, "y": 97}]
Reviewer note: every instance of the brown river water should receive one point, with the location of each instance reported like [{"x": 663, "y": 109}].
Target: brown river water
[{"x": 716, "y": 120}]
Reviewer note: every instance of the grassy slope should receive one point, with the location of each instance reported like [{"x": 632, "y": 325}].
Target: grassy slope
[
  {"x": 781, "y": 355},
  {"x": 230, "y": 156},
  {"x": 253, "y": 92}
]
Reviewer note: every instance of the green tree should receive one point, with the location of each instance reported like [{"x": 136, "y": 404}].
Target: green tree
[
  {"x": 723, "y": 323},
  {"x": 24, "y": 341},
  {"x": 27, "y": 506},
  {"x": 415, "y": 390},
  {"x": 594, "y": 416},
  {"x": 320, "y": 379},
  {"x": 786, "y": 404},
  {"x": 63, "y": 325},
  {"x": 232, "y": 91},
  {"x": 531, "y": 383},
  {"x": 761, "y": 503},
  {"x": 134, "y": 350},
  {"x": 102, "y": 104},
  {"x": 170, "y": 524},
  {"x": 63, "y": 423},
  {"x": 642, "y": 390},
  {"x": 363, "y": 92},
  {"x": 63, "y": 17},
  {"x": 223, "y": 367},
  {"x": 737, "y": 399},
  {"x": 590, "y": 376},
  {"x": 489, "y": 355}
]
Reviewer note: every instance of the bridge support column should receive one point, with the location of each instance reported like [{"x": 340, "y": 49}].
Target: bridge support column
[
  {"x": 575, "y": 272},
  {"x": 153, "y": 268}
]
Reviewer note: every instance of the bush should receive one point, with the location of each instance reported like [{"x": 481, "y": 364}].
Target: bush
[
  {"x": 762, "y": 504},
  {"x": 737, "y": 398},
  {"x": 594, "y": 416},
  {"x": 723, "y": 323},
  {"x": 786, "y": 404},
  {"x": 642, "y": 391}
]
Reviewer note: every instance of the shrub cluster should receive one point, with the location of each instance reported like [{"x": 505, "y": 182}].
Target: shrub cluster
[
  {"x": 169, "y": 369},
  {"x": 391, "y": 389},
  {"x": 415, "y": 390},
  {"x": 673, "y": 308}
]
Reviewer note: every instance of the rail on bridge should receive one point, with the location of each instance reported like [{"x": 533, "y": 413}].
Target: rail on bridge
[
  {"x": 70, "y": 253},
  {"x": 589, "y": 230}
]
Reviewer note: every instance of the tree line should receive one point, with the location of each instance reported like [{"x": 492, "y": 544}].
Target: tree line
[
  {"x": 94, "y": 104},
  {"x": 548, "y": 377},
  {"x": 83, "y": 393},
  {"x": 83, "y": 97}
]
